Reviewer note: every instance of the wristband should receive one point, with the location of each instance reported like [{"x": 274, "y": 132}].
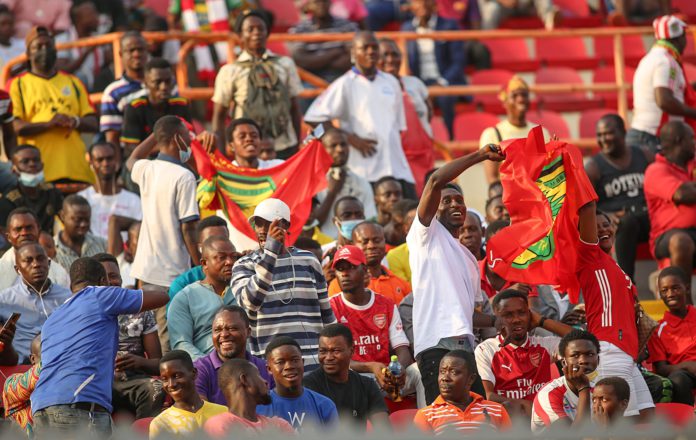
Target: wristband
[
  {"x": 542, "y": 321},
  {"x": 583, "y": 389}
]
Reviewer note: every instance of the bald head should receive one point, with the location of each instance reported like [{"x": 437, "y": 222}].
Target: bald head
[
  {"x": 213, "y": 244},
  {"x": 671, "y": 133},
  {"x": 363, "y": 36},
  {"x": 369, "y": 237},
  {"x": 218, "y": 255},
  {"x": 677, "y": 140}
]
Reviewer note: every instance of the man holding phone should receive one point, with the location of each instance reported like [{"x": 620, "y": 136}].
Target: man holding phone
[{"x": 8, "y": 355}]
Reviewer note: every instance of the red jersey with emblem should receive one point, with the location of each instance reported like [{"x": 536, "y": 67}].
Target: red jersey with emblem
[
  {"x": 376, "y": 326},
  {"x": 609, "y": 298},
  {"x": 517, "y": 372}
]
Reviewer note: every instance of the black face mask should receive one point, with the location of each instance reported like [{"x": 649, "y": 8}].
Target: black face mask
[{"x": 45, "y": 59}]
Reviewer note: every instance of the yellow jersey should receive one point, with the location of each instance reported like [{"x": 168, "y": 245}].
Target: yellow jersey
[{"x": 175, "y": 421}]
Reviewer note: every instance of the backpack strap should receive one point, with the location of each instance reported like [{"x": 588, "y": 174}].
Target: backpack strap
[{"x": 497, "y": 133}]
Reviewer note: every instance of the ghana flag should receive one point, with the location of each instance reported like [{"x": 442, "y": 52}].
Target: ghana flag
[
  {"x": 544, "y": 185},
  {"x": 237, "y": 190}
]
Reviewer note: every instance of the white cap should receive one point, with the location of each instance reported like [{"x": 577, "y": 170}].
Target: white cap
[{"x": 271, "y": 209}]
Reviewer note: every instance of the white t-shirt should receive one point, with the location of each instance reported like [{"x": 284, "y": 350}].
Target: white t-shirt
[
  {"x": 418, "y": 92},
  {"x": 446, "y": 284},
  {"x": 508, "y": 131},
  {"x": 372, "y": 110},
  {"x": 15, "y": 48},
  {"x": 168, "y": 192},
  {"x": 355, "y": 186},
  {"x": 657, "y": 69},
  {"x": 124, "y": 204}
]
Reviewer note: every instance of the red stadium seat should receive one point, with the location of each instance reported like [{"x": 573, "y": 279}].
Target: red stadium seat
[
  {"x": 607, "y": 74},
  {"x": 142, "y": 426},
  {"x": 439, "y": 129},
  {"x": 677, "y": 413},
  {"x": 686, "y": 7},
  {"x": 564, "y": 51},
  {"x": 498, "y": 77},
  {"x": 511, "y": 53},
  {"x": 588, "y": 122},
  {"x": 278, "y": 47},
  {"x": 690, "y": 51},
  {"x": 285, "y": 13},
  {"x": 690, "y": 72},
  {"x": 571, "y": 101},
  {"x": 402, "y": 420},
  {"x": 469, "y": 126},
  {"x": 572, "y": 8},
  {"x": 633, "y": 47},
  {"x": 553, "y": 122}
]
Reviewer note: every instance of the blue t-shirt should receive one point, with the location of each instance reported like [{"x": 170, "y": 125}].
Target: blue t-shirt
[
  {"x": 310, "y": 407},
  {"x": 189, "y": 277},
  {"x": 79, "y": 342}
]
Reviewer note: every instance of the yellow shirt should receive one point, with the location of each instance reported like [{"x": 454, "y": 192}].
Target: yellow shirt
[
  {"x": 37, "y": 99},
  {"x": 398, "y": 262},
  {"x": 180, "y": 422},
  {"x": 507, "y": 131}
]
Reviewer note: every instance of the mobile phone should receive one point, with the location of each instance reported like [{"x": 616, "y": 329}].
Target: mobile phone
[{"x": 13, "y": 319}]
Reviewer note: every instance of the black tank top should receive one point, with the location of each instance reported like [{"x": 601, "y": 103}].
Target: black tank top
[{"x": 621, "y": 189}]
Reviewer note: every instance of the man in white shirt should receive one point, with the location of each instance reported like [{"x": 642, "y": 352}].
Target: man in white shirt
[
  {"x": 659, "y": 85},
  {"x": 369, "y": 107},
  {"x": 445, "y": 274},
  {"x": 106, "y": 197},
  {"x": 10, "y": 46}
]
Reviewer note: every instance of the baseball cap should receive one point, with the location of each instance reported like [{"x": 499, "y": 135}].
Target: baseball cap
[
  {"x": 668, "y": 27},
  {"x": 271, "y": 209},
  {"x": 352, "y": 254}
]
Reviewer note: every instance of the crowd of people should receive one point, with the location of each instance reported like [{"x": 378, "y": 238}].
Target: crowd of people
[{"x": 121, "y": 294}]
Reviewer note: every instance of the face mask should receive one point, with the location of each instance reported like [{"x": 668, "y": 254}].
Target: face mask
[
  {"x": 185, "y": 155},
  {"x": 346, "y": 227},
  {"x": 31, "y": 180}
]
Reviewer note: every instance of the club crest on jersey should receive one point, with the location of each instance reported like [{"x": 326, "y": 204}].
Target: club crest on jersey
[
  {"x": 344, "y": 320},
  {"x": 66, "y": 91},
  {"x": 535, "y": 359},
  {"x": 380, "y": 320}
]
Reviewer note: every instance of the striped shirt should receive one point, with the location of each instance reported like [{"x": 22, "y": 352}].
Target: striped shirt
[
  {"x": 442, "y": 416},
  {"x": 553, "y": 402},
  {"x": 115, "y": 98},
  {"x": 283, "y": 295}
]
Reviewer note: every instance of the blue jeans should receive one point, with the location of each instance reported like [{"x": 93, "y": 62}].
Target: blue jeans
[
  {"x": 62, "y": 420},
  {"x": 637, "y": 138}
]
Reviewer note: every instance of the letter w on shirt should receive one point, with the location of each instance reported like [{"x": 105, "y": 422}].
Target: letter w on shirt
[{"x": 296, "y": 419}]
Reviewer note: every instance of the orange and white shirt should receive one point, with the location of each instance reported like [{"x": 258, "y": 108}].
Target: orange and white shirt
[{"x": 441, "y": 416}]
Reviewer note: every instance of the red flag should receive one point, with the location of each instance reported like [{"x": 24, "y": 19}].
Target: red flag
[
  {"x": 237, "y": 190},
  {"x": 544, "y": 185},
  {"x": 417, "y": 145}
]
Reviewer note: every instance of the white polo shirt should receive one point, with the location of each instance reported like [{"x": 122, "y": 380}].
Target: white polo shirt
[
  {"x": 168, "y": 196},
  {"x": 657, "y": 69},
  {"x": 372, "y": 110},
  {"x": 446, "y": 283}
]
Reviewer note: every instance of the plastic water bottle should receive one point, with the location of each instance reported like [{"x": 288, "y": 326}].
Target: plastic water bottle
[{"x": 395, "y": 371}]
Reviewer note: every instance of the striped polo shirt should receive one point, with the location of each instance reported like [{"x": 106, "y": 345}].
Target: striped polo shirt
[{"x": 442, "y": 416}]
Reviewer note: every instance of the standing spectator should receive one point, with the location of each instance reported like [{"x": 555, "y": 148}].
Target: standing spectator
[
  {"x": 283, "y": 289},
  {"x": 31, "y": 191},
  {"x": 496, "y": 210},
  {"x": 34, "y": 296},
  {"x": 659, "y": 85},
  {"x": 617, "y": 174},
  {"x": 329, "y": 59},
  {"x": 75, "y": 240},
  {"x": 191, "y": 313},
  {"x": 342, "y": 182},
  {"x": 106, "y": 197},
  {"x": 121, "y": 92},
  {"x": 443, "y": 321},
  {"x": 189, "y": 412},
  {"x": 290, "y": 400},
  {"x": 259, "y": 85},
  {"x": 368, "y": 104},
  {"x": 23, "y": 227},
  {"x": 515, "y": 100},
  {"x": 609, "y": 401},
  {"x": 436, "y": 62},
  {"x": 230, "y": 338},
  {"x": 357, "y": 398},
  {"x": 457, "y": 407},
  {"x": 397, "y": 258},
  {"x": 81, "y": 400},
  {"x": 396, "y": 230},
  {"x": 387, "y": 192},
  {"x": 471, "y": 235},
  {"x": 51, "y": 109},
  {"x": 670, "y": 192},
  {"x": 46, "y": 242},
  {"x": 672, "y": 347},
  {"x": 167, "y": 241},
  {"x": 10, "y": 46},
  {"x": 16, "y": 394},
  {"x": 493, "y": 12},
  {"x": 54, "y": 15}
]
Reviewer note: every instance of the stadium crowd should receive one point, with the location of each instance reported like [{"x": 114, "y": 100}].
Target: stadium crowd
[{"x": 123, "y": 292}]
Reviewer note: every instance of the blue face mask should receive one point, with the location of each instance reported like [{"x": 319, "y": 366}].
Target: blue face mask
[
  {"x": 184, "y": 156},
  {"x": 346, "y": 227},
  {"x": 31, "y": 180}
]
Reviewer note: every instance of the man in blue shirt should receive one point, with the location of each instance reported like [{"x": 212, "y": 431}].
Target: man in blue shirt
[
  {"x": 79, "y": 344},
  {"x": 290, "y": 400},
  {"x": 33, "y": 295}
]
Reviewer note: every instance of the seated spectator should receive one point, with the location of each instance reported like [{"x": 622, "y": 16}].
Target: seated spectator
[
  {"x": 313, "y": 246},
  {"x": 397, "y": 258},
  {"x": 230, "y": 335},
  {"x": 290, "y": 400},
  {"x": 329, "y": 59},
  {"x": 457, "y": 407},
  {"x": 387, "y": 192},
  {"x": 342, "y": 182},
  {"x": 55, "y": 15},
  {"x": 358, "y": 399},
  {"x": 471, "y": 236},
  {"x": 139, "y": 352},
  {"x": 22, "y": 228},
  {"x": 245, "y": 88},
  {"x": 106, "y": 197},
  {"x": 349, "y": 212},
  {"x": 566, "y": 401},
  {"x": 189, "y": 412},
  {"x": 267, "y": 150},
  {"x": 244, "y": 389},
  {"x": 493, "y": 12},
  {"x": 381, "y": 12},
  {"x": 353, "y": 10},
  {"x": 395, "y": 231},
  {"x": 30, "y": 190},
  {"x": 670, "y": 192},
  {"x": 190, "y": 315},
  {"x": 369, "y": 107},
  {"x": 283, "y": 289},
  {"x": 91, "y": 313},
  {"x": 515, "y": 365},
  {"x": 369, "y": 238},
  {"x": 672, "y": 346},
  {"x": 52, "y": 110},
  {"x": 243, "y": 147},
  {"x": 16, "y": 393},
  {"x": 46, "y": 242},
  {"x": 10, "y": 46},
  {"x": 76, "y": 240},
  {"x": 125, "y": 259},
  {"x": 617, "y": 174},
  {"x": 496, "y": 210},
  {"x": 436, "y": 62},
  {"x": 35, "y": 297},
  {"x": 609, "y": 401},
  {"x": 515, "y": 100}
]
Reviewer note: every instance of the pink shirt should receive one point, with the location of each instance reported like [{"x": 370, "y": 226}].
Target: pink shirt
[
  {"x": 353, "y": 10},
  {"x": 53, "y": 14},
  {"x": 221, "y": 425}
]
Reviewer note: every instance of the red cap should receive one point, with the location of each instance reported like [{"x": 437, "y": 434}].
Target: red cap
[{"x": 352, "y": 254}]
